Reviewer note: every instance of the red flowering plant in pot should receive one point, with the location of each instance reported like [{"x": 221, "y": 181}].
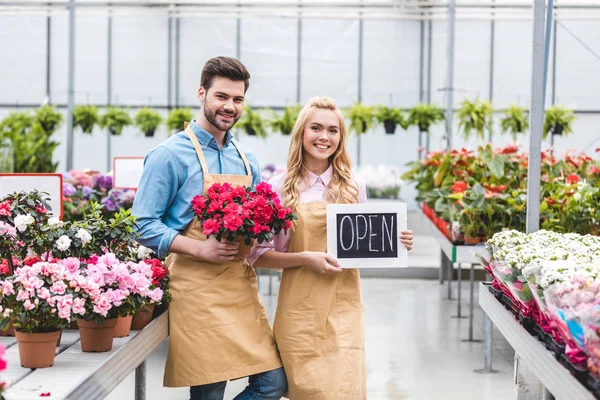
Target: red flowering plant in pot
[{"x": 240, "y": 214}]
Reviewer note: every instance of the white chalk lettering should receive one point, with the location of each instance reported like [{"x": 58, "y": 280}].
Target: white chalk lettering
[
  {"x": 342, "y": 230},
  {"x": 371, "y": 234},
  {"x": 389, "y": 234},
  {"x": 358, "y": 237}
]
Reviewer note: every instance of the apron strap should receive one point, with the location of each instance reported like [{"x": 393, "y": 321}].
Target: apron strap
[
  {"x": 246, "y": 163},
  {"x": 199, "y": 152},
  {"x": 190, "y": 133}
]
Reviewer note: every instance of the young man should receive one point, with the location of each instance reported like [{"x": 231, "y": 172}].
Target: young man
[{"x": 218, "y": 327}]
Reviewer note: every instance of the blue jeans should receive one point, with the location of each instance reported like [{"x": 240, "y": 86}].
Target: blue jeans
[{"x": 270, "y": 385}]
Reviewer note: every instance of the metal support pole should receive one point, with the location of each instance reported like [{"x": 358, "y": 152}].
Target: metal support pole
[
  {"x": 492, "y": 51},
  {"x": 487, "y": 346},
  {"x": 48, "y": 57},
  {"x": 238, "y": 37},
  {"x": 140, "y": 382},
  {"x": 109, "y": 89},
  {"x": 471, "y": 304},
  {"x": 450, "y": 267},
  {"x": 299, "y": 62},
  {"x": 554, "y": 64},
  {"x": 442, "y": 265},
  {"x": 422, "y": 64},
  {"x": 71, "y": 80},
  {"x": 536, "y": 117},
  {"x": 170, "y": 64},
  {"x": 177, "y": 48},
  {"x": 458, "y": 282},
  {"x": 450, "y": 77},
  {"x": 429, "y": 51},
  {"x": 360, "y": 73}
]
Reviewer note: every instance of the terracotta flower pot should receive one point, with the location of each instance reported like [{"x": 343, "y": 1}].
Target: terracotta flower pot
[
  {"x": 142, "y": 318},
  {"x": 37, "y": 350},
  {"x": 59, "y": 338},
  {"x": 123, "y": 326},
  {"x": 96, "y": 337},
  {"x": 472, "y": 240}
]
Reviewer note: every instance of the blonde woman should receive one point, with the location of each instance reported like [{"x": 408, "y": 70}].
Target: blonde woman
[{"x": 319, "y": 327}]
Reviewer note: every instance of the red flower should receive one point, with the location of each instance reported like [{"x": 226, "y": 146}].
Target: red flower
[
  {"x": 93, "y": 259},
  {"x": 594, "y": 170},
  {"x": 45, "y": 394},
  {"x": 459, "y": 187},
  {"x": 211, "y": 226},
  {"x": 510, "y": 149},
  {"x": 29, "y": 261},
  {"x": 5, "y": 208},
  {"x": 572, "y": 179},
  {"x": 41, "y": 209},
  {"x": 232, "y": 222}
]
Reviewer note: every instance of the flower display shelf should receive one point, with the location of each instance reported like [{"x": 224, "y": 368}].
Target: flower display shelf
[
  {"x": 79, "y": 375},
  {"x": 541, "y": 362}
]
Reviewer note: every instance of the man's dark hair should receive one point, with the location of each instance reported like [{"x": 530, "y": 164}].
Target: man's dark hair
[{"x": 227, "y": 67}]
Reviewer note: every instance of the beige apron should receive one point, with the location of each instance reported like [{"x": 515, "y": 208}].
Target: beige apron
[
  {"x": 218, "y": 327},
  {"x": 319, "y": 325}
]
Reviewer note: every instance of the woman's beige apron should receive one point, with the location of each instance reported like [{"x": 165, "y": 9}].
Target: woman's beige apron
[
  {"x": 319, "y": 325},
  {"x": 218, "y": 327}
]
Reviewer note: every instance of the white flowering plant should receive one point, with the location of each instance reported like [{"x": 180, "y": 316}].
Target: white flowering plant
[{"x": 382, "y": 181}]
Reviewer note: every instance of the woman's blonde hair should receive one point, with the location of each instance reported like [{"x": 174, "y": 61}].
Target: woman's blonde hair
[{"x": 342, "y": 188}]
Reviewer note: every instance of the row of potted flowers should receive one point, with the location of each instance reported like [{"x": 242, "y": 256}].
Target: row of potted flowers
[
  {"x": 57, "y": 273},
  {"x": 551, "y": 282},
  {"x": 472, "y": 195}
]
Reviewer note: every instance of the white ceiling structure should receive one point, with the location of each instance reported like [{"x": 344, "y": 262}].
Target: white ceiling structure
[{"x": 335, "y": 9}]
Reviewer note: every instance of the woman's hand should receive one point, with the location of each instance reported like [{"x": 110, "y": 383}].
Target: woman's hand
[
  {"x": 406, "y": 238},
  {"x": 323, "y": 263}
]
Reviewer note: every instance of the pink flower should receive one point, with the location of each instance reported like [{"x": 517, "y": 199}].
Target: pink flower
[
  {"x": 58, "y": 287},
  {"x": 43, "y": 293},
  {"x": 28, "y": 304},
  {"x": 156, "y": 295},
  {"x": 64, "y": 304},
  {"x": 102, "y": 306},
  {"x": 23, "y": 295},
  {"x": 108, "y": 259},
  {"x": 5, "y": 208},
  {"x": 7, "y": 288},
  {"x": 79, "y": 306},
  {"x": 71, "y": 264},
  {"x": 519, "y": 285}
]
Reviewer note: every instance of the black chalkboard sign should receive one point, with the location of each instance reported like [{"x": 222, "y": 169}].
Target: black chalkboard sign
[{"x": 366, "y": 235}]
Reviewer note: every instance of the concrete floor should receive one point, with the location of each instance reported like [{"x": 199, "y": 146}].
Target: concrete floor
[{"x": 414, "y": 348}]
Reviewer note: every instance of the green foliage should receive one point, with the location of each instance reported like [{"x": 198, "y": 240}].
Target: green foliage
[
  {"x": 253, "y": 123},
  {"x": 147, "y": 120},
  {"x": 31, "y": 144},
  {"x": 177, "y": 117},
  {"x": 85, "y": 117},
  {"x": 424, "y": 116},
  {"x": 475, "y": 117},
  {"x": 361, "y": 118},
  {"x": 285, "y": 122},
  {"x": 558, "y": 120},
  {"x": 515, "y": 121},
  {"x": 114, "y": 119},
  {"x": 48, "y": 118},
  {"x": 383, "y": 113}
]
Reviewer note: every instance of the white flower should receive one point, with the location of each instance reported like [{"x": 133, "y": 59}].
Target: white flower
[
  {"x": 84, "y": 236},
  {"x": 23, "y": 221},
  {"x": 55, "y": 221},
  {"x": 577, "y": 196},
  {"x": 143, "y": 253},
  {"x": 63, "y": 243}
]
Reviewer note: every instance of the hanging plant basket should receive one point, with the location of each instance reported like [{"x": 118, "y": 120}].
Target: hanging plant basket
[
  {"x": 390, "y": 126},
  {"x": 250, "y": 131},
  {"x": 558, "y": 130},
  {"x": 149, "y": 133}
]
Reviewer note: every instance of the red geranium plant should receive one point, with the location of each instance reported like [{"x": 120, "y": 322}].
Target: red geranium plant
[{"x": 228, "y": 212}]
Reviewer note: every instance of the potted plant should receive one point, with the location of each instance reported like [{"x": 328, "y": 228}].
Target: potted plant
[
  {"x": 85, "y": 117},
  {"x": 38, "y": 315},
  {"x": 361, "y": 118},
  {"x": 115, "y": 119},
  {"x": 177, "y": 118},
  {"x": 390, "y": 117},
  {"x": 515, "y": 121},
  {"x": 147, "y": 120},
  {"x": 558, "y": 121},
  {"x": 475, "y": 117},
  {"x": 285, "y": 122},
  {"x": 424, "y": 116},
  {"x": 48, "y": 118},
  {"x": 252, "y": 122}
]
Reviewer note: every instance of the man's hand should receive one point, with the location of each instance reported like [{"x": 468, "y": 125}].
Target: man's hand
[
  {"x": 406, "y": 238},
  {"x": 323, "y": 263},
  {"x": 213, "y": 251}
]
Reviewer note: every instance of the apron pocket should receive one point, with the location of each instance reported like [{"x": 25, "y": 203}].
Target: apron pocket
[
  {"x": 350, "y": 319},
  {"x": 208, "y": 305},
  {"x": 294, "y": 327}
]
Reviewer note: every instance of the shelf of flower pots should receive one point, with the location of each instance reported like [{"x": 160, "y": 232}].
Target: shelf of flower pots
[
  {"x": 541, "y": 362},
  {"x": 81, "y": 375},
  {"x": 455, "y": 253}
]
